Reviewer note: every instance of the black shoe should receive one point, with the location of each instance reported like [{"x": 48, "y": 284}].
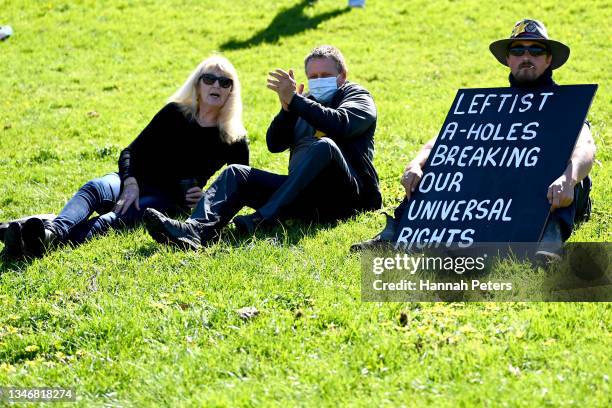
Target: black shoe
[
  {"x": 550, "y": 248},
  {"x": 4, "y": 225},
  {"x": 248, "y": 224},
  {"x": 546, "y": 259},
  {"x": 382, "y": 241},
  {"x": 13, "y": 244},
  {"x": 374, "y": 244},
  {"x": 37, "y": 238},
  {"x": 165, "y": 230}
]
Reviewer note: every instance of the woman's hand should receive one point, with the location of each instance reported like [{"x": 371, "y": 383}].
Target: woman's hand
[
  {"x": 193, "y": 195},
  {"x": 130, "y": 195}
]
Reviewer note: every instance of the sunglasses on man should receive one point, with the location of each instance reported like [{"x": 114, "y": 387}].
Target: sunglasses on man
[
  {"x": 209, "y": 79},
  {"x": 534, "y": 50}
]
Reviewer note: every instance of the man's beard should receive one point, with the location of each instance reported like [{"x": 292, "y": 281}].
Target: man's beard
[{"x": 526, "y": 72}]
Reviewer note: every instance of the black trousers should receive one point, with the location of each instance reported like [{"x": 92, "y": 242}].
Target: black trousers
[{"x": 323, "y": 186}]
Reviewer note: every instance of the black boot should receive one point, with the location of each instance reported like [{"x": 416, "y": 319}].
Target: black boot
[
  {"x": 248, "y": 224},
  {"x": 38, "y": 237},
  {"x": 382, "y": 241},
  {"x": 550, "y": 249},
  {"x": 185, "y": 235},
  {"x": 5, "y": 225},
  {"x": 13, "y": 243}
]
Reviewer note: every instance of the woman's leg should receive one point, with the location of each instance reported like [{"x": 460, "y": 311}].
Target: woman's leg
[
  {"x": 109, "y": 220},
  {"x": 39, "y": 235},
  {"x": 97, "y": 195}
]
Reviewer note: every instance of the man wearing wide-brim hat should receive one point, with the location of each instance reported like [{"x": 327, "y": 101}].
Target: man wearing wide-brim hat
[{"x": 531, "y": 57}]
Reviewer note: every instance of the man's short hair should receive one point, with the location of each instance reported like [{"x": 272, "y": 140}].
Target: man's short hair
[{"x": 327, "y": 51}]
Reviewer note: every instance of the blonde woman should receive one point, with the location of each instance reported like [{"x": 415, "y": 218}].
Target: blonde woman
[{"x": 165, "y": 167}]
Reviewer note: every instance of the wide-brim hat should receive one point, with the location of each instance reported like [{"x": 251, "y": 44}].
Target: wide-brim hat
[{"x": 532, "y": 30}]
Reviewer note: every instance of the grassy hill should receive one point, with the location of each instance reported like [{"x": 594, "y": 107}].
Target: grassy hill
[{"x": 130, "y": 323}]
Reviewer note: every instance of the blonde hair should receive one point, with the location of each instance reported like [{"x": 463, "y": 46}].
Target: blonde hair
[{"x": 230, "y": 124}]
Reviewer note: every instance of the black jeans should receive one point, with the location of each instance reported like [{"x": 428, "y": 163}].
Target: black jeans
[{"x": 323, "y": 186}]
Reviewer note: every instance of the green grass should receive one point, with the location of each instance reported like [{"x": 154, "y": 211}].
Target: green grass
[{"x": 130, "y": 323}]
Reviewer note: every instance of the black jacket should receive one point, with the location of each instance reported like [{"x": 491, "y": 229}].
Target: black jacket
[{"x": 349, "y": 120}]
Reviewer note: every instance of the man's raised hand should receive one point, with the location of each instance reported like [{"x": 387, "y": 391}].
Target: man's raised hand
[{"x": 283, "y": 83}]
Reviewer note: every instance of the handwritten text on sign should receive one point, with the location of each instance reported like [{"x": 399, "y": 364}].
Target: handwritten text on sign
[{"x": 487, "y": 175}]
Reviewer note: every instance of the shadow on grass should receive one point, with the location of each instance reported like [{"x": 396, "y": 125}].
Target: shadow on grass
[
  {"x": 288, "y": 22},
  {"x": 286, "y": 233},
  {"x": 148, "y": 249},
  {"x": 12, "y": 264}
]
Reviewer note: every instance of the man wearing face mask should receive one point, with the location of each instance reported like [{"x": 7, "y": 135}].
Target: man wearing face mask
[{"x": 330, "y": 135}]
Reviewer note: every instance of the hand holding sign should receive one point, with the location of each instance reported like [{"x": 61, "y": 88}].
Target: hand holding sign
[
  {"x": 560, "y": 193},
  {"x": 411, "y": 178},
  {"x": 414, "y": 171}
]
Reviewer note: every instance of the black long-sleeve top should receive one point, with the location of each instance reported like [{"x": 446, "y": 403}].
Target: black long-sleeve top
[
  {"x": 173, "y": 147},
  {"x": 349, "y": 120}
]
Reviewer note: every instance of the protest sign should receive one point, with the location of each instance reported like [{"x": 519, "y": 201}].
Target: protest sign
[{"x": 488, "y": 173}]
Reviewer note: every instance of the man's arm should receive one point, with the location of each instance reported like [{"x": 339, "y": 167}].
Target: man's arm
[
  {"x": 561, "y": 191},
  {"x": 352, "y": 117},
  {"x": 279, "y": 136},
  {"x": 414, "y": 170},
  {"x": 280, "y": 132},
  {"x": 355, "y": 114}
]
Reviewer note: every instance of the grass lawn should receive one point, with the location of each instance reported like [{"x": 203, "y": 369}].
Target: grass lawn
[{"x": 130, "y": 323}]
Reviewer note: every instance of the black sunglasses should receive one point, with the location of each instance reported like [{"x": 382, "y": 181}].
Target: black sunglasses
[
  {"x": 534, "y": 50},
  {"x": 209, "y": 79}
]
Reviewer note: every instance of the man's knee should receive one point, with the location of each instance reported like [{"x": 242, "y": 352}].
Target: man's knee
[
  {"x": 324, "y": 149},
  {"x": 325, "y": 144},
  {"x": 236, "y": 170},
  {"x": 234, "y": 174}
]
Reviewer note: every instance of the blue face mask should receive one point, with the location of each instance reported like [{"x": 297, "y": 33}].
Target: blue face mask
[{"x": 323, "y": 89}]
